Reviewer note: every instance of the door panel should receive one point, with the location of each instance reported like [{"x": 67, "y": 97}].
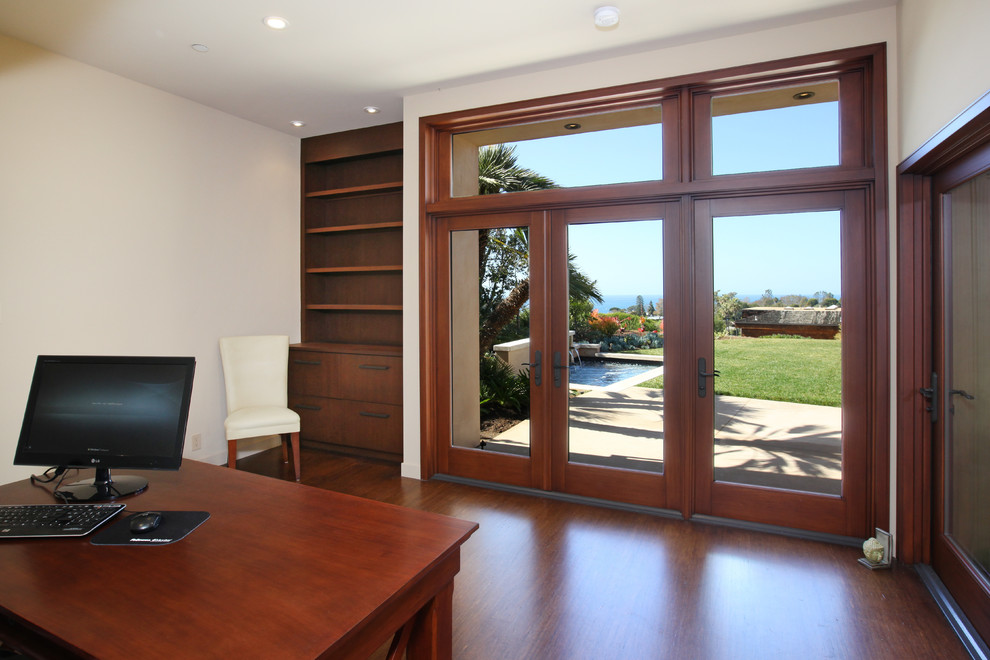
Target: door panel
[
  {"x": 613, "y": 430},
  {"x": 961, "y": 540},
  {"x": 781, "y": 426},
  {"x": 490, "y": 386}
]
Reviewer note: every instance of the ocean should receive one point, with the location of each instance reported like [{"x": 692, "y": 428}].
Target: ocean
[{"x": 622, "y": 301}]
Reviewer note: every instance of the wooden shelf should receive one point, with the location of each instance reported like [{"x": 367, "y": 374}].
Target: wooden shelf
[
  {"x": 362, "y": 349},
  {"x": 347, "y": 307},
  {"x": 368, "y": 226},
  {"x": 355, "y": 269},
  {"x": 372, "y": 189},
  {"x": 351, "y": 292}
]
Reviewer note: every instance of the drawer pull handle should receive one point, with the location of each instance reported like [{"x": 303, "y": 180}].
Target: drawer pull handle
[
  {"x": 375, "y": 415},
  {"x": 315, "y": 363},
  {"x": 303, "y": 406},
  {"x": 376, "y": 367}
]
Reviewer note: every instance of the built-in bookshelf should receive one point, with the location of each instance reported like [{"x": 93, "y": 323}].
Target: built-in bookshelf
[{"x": 351, "y": 288}]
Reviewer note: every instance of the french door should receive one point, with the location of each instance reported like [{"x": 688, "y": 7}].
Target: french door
[
  {"x": 781, "y": 411},
  {"x": 508, "y": 409},
  {"x": 521, "y": 410},
  {"x": 960, "y": 390}
]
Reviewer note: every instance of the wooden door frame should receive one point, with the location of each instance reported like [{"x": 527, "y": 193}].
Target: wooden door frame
[
  {"x": 676, "y": 96},
  {"x": 952, "y": 155}
]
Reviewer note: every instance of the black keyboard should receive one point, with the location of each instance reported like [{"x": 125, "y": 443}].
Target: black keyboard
[{"x": 34, "y": 520}]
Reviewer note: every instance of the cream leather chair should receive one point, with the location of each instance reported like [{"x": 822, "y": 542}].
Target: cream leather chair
[{"x": 255, "y": 373}]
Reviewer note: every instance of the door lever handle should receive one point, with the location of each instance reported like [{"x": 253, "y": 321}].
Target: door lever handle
[
  {"x": 557, "y": 366},
  {"x": 931, "y": 393},
  {"x": 702, "y": 375},
  {"x": 963, "y": 393},
  {"x": 536, "y": 368}
]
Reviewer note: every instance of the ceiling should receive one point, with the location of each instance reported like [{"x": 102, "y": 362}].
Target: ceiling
[{"x": 337, "y": 57}]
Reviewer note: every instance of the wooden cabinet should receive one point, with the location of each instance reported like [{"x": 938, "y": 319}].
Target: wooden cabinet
[
  {"x": 348, "y": 397},
  {"x": 345, "y": 378}
]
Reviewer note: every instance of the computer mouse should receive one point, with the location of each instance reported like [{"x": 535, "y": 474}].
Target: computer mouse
[{"x": 145, "y": 522}]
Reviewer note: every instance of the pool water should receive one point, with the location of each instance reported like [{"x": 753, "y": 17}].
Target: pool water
[{"x": 601, "y": 373}]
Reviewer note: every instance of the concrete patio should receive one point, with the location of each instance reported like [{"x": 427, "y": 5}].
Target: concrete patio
[{"x": 765, "y": 443}]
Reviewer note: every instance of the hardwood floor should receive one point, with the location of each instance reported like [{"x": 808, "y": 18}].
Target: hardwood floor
[{"x": 545, "y": 579}]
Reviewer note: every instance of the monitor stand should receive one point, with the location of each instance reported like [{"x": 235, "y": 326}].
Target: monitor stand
[{"x": 102, "y": 488}]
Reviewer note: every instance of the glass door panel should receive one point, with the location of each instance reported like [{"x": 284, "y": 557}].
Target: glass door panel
[
  {"x": 966, "y": 388},
  {"x": 611, "y": 436},
  {"x": 777, "y": 351},
  {"x": 489, "y": 399},
  {"x": 781, "y": 319},
  {"x": 489, "y": 339},
  {"x": 615, "y": 345}
]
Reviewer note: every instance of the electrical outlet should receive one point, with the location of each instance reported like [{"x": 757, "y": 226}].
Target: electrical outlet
[{"x": 197, "y": 441}]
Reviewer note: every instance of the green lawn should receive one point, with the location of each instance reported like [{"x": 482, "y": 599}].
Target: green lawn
[{"x": 777, "y": 369}]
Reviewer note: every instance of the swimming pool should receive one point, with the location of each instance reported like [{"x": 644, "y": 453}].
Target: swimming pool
[{"x": 602, "y": 373}]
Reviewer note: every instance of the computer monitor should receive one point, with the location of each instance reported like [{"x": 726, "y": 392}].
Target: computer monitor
[{"x": 106, "y": 412}]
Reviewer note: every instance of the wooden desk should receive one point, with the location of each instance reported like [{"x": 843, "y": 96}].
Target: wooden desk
[{"x": 280, "y": 570}]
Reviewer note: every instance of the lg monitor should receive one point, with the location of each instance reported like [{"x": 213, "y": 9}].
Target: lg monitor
[{"x": 106, "y": 413}]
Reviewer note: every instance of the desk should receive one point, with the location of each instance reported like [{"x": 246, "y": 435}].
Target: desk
[{"x": 280, "y": 570}]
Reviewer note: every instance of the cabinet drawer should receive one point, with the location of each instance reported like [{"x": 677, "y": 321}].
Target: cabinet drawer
[
  {"x": 368, "y": 378},
  {"x": 315, "y": 417},
  {"x": 310, "y": 372},
  {"x": 373, "y": 426}
]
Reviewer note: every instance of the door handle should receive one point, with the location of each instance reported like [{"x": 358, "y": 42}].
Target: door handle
[
  {"x": 557, "y": 366},
  {"x": 931, "y": 393},
  {"x": 536, "y": 368},
  {"x": 963, "y": 393},
  {"x": 702, "y": 376}
]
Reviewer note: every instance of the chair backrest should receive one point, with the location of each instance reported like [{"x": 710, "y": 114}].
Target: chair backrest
[{"x": 255, "y": 370}]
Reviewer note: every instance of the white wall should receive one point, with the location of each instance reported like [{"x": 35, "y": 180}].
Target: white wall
[
  {"x": 943, "y": 60},
  {"x": 135, "y": 222},
  {"x": 823, "y": 35}
]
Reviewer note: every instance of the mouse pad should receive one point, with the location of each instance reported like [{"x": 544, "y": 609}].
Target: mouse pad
[{"x": 175, "y": 526}]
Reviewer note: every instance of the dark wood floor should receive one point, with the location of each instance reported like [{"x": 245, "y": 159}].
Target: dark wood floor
[{"x": 545, "y": 579}]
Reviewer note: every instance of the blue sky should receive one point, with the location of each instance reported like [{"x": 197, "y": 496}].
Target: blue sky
[{"x": 796, "y": 253}]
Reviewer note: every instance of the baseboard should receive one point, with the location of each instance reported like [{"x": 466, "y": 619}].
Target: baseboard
[{"x": 563, "y": 497}]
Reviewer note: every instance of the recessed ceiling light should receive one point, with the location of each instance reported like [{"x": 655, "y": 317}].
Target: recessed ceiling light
[
  {"x": 200, "y": 48},
  {"x": 606, "y": 17},
  {"x": 803, "y": 96},
  {"x": 371, "y": 110},
  {"x": 297, "y": 123},
  {"x": 572, "y": 126},
  {"x": 276, "y": 22}
]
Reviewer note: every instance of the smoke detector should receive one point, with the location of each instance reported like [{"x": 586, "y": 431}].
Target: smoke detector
[{"x": 606, "y": 17}]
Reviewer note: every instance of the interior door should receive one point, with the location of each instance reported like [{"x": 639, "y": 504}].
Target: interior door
[
  {"x": 960, "y": 535},
  {"x": 781, "y": 413}
]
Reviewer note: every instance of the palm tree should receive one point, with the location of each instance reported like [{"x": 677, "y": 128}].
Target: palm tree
[{"x": 498, "y": 172}]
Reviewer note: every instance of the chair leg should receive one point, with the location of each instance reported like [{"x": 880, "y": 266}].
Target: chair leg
[
  {"x": 285, "y": 447},
  {"x": 293, "y": 439},
  {"x": 232, "y": 454}
]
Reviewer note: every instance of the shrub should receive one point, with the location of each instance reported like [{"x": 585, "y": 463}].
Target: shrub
[
  {"x": 632, "y": 341},
  {"x": 604, "y": 326},
  {"x": 502, "y": 390}
]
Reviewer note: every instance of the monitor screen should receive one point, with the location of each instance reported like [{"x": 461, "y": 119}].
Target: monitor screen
[{"x": 106, "y": 412}]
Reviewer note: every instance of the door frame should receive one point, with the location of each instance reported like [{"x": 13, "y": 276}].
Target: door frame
[
  {"x": 954, "y": 154},
  {"x": 863, "y": 168},
  {"x": 957, "y": 153}
]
